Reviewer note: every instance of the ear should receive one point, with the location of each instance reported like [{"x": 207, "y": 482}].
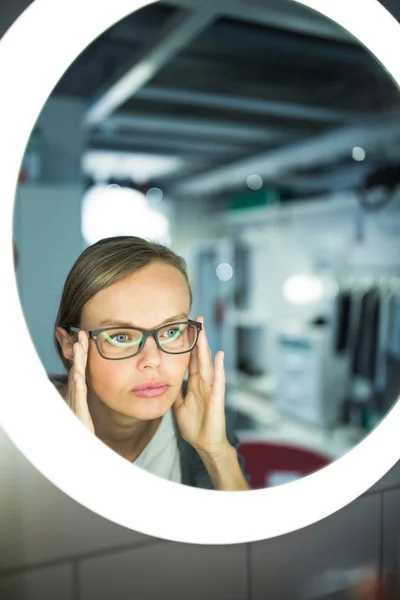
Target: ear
[{"x": 66, "y": 342}]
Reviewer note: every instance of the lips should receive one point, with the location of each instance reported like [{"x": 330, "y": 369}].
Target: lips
[
  {"x": 152, "y": 385},
  {"x": 151, "y": 390}
]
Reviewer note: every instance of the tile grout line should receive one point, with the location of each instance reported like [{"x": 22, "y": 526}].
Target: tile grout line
[
  {"x": 381, "y": 539},
  {"x": 249, "y": 590},
  {"x": 382, "y": 490},
  {"x": 76, "y": 580},
  {"x": 77, "y": 558}
]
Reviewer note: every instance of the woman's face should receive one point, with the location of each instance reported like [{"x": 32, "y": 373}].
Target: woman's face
[{"x": 153, "y": 296}]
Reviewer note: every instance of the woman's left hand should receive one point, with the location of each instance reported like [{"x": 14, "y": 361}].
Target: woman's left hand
[{"x": 201, "y": 414}]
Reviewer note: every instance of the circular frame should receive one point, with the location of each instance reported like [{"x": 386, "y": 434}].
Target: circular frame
[{"x": 42, "y": 427}]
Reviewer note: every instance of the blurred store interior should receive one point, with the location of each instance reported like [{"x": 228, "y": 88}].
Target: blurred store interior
[{"x": 262, "y": 142}]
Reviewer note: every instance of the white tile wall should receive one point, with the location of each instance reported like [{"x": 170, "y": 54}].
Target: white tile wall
[
  {"x": 285, "y": 568},
  {"x": 391, "y": 532},
  {"x": 56, "y": 583},
  {"x": 390, "y": 480},
  {"x": 167, "y": 570},
  {"x": 39, "y": 523}
]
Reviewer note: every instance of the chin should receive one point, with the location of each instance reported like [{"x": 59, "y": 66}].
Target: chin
[{"x": 147, "y": 409}]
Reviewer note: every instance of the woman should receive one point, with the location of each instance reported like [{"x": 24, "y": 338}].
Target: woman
[{"x": 124, "y": 335}]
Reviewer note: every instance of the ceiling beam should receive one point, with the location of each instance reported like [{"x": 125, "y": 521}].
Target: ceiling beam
[
  {"x": 160, "y": 123},
  {"x": 242, "y": 104},
  {"x": 275, "y": 13},
  {"x": 179, "y": 32},
  {"x": 338, "y": 179},
  {"x": 159, "y": 144},
  {"x": 319, "y": 150}
]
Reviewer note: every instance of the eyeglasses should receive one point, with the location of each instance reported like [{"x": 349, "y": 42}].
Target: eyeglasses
[{"x": 119, "y": 343}]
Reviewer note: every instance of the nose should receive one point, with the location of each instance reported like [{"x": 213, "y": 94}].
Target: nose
[{"x": 150, "y": 355}]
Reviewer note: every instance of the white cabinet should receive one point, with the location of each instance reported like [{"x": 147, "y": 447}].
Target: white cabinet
[{"x": 311, "y": 379}]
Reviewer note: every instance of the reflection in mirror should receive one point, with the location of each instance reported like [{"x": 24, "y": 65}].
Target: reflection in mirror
[{"x": 261, "y": 143}]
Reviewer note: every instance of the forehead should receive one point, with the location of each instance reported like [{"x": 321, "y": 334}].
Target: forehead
[{"x": 145, "y": 298}]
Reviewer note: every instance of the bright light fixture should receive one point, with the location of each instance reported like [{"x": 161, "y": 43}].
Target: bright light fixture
[
  {"x": 303, "y": 289},
  {"x": 109, "y": 211},
  {"x": 138, "y": 167},
  {"x": 42, "y": 426}
]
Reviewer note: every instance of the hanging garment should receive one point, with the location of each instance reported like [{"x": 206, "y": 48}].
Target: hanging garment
[
  {"x": 365, "y": 350},
  {"x": 392, "y": 391},
  {"x": 383, "y": 342},
  {"x": 343, "y": 320},
  {"x": 394, "y": 344},
  {"x": 355, "y": 325}
]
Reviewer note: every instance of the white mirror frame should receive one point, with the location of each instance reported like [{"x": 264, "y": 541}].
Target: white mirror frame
[{"x": 34, "y": 53}]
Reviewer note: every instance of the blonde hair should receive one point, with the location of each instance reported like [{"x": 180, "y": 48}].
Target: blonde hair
[{"x": 103, "y": 264}]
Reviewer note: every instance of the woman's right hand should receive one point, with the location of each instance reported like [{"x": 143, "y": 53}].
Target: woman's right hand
[{"x": 76, "y": 394}]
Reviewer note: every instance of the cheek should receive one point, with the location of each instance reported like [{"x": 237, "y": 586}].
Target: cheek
[
  {"x": 104, "y": 375},
  {"x": 108, "y": 376},
  {"x": 178, "y": 365}
]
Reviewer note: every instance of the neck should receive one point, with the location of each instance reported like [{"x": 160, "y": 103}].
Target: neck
[{"x": 125, "y": 435}]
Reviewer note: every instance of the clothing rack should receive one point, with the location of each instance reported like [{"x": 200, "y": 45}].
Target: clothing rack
[{"x": 367, "y": 331}]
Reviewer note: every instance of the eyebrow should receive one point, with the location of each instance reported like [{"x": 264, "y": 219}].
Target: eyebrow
[{"x": 115, "y": 323}]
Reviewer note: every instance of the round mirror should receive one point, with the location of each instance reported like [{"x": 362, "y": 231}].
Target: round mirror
[{"x": 261, "y": 145}]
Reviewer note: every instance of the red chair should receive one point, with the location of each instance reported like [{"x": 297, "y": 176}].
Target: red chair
[{"x": 270, "y": 463}]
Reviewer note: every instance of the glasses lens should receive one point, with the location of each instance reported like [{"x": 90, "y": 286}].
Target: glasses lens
[
  {"x": 119, "y": 343},
  {"x": 178, "y": 337}
]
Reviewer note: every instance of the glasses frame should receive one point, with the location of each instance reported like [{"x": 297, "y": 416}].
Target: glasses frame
[{"x": 146, "y": 333}]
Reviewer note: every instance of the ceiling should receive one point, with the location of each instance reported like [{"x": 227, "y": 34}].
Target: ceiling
[{"x": 260, "y": 87}]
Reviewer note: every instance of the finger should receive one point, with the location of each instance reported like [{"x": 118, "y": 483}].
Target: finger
[
  {"x": 79, "y": 359},
  {"x": 84, "y": 340},
  {"x": 219, "y": 382},
  {"x": 194, "y": 362},
  {"x": 80, "y": 393},
  {"x": 80, "y": 398},
  {"x": 69, "y": 396},
  {"x": 78, "y": 367},
  {"x": 206, "y": 369},
  {"x": 203, "y": 335}
]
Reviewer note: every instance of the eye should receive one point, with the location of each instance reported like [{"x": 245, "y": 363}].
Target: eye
[
  {"x": 120, "y": 338},
  {"x": 172, "y": 333}
]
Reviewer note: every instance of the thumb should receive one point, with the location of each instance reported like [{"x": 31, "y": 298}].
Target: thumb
[{"x": 81, "y": 403}]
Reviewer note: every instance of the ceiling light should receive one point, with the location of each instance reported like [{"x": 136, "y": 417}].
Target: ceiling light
[
  {"x": 254, "y": 182},
  {"x": 109, "y": 211},
  {"x": 358, "y": 153},
  {"x": 303, "y": 289},
  {"x": 224, "y": 272},
  {"x": 154, "y": 195}
]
